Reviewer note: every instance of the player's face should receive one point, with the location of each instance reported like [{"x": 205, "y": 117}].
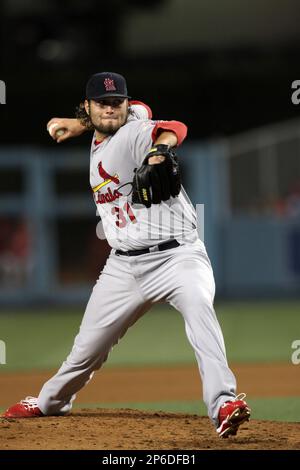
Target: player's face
[{"x": 108, "y": 115}]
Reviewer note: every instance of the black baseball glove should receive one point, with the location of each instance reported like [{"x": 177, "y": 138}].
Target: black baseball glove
[{"x": 158, "y": 182}]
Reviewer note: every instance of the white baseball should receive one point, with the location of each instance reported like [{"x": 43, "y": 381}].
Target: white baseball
[
  {"x": 50, "y": 128},
  {"x": 58, "y": 133}
]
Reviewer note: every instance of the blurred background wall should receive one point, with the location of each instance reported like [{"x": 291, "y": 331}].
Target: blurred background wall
[{"x": 224, "y": 68}]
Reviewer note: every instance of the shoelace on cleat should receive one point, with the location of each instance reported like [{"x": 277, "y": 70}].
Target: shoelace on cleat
[
  {"x": 29, "y": 402},
  {"x": 240, "y": 396}
]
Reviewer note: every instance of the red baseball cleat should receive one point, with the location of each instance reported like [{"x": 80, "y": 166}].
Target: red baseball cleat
[
  {"x": 24, "y": 409},
  {"x": 232, "y": 414}
]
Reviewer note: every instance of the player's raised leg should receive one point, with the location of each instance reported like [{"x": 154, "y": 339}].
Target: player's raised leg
[{"x": 115, "y": 304}]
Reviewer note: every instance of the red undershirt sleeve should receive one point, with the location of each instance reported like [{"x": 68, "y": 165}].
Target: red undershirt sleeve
[{"x": 177, "y": 127}]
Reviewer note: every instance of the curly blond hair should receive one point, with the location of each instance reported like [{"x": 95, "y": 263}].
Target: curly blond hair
[{"x": 85, "y": 119}]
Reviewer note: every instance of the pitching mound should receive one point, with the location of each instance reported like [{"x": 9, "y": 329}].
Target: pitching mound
[{"x": 127, "y": 429}]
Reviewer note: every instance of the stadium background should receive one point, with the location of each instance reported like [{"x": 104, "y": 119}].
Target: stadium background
[{"x": 226, "y": 70}]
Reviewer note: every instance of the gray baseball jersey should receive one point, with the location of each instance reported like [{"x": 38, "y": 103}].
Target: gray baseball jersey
[{"x": 112, "y": 165}]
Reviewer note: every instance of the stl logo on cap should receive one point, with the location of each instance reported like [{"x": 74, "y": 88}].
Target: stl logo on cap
[{"x": 109, "y": 84}]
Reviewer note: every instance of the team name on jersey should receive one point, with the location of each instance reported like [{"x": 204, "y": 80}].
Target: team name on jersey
[{"x": 109, "y": 196}]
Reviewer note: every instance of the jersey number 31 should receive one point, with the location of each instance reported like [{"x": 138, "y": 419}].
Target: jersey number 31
[{"x": 123, "y": 214}]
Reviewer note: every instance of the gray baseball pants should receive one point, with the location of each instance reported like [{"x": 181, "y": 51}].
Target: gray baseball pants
[{"x": 125, "y": 290}]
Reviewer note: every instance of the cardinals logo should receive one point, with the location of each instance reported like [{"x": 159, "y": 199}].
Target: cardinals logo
[
  {"x": 106, "y": 177},
  {"x": 109, "y": 196},
  {"x": 109, "y": 84}
]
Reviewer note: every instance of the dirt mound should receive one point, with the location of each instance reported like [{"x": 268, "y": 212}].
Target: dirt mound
[{"x": 126, "y": 429}]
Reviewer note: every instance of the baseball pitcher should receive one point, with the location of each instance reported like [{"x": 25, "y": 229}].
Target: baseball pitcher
[{"x": 156, "y": 253}]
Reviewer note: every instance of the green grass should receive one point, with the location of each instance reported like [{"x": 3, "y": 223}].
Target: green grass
[
  {"x": 253, "y": 331},
  {"x": 271, "y": 409},
  {"x": 260, "y": 331}
]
